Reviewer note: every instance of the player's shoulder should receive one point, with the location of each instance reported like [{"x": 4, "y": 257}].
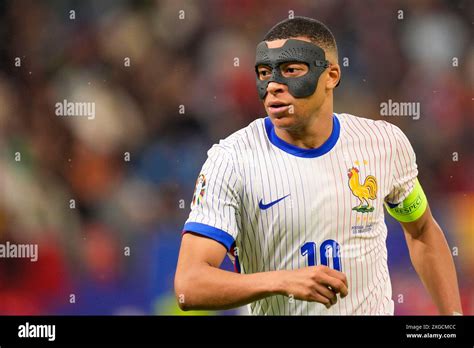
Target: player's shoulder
[
  {"x": 244, "y": 138},
  {"x": 377, "y": 128}
]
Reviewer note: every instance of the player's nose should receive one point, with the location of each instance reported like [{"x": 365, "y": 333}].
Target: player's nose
[{"x": 275, "y": 88}]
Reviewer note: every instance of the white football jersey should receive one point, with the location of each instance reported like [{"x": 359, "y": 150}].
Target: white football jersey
[{"x": 275, "y": 206}]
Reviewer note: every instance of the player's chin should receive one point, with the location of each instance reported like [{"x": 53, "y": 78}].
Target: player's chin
[{"x": 282, "y": 120}]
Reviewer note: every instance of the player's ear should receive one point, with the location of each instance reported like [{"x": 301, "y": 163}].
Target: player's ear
[{"x": 334, "y": 75}]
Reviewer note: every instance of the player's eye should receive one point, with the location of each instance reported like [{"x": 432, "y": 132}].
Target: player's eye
[
  {"x": 264, "y": 73},
  {"x": 294, "y": 70}
]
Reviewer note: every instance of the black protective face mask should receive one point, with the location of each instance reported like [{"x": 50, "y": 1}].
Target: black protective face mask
[{"x": 292, "y": 51}]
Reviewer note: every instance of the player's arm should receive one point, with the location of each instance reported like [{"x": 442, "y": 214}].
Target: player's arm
[
  {"x": 431, "y": 257},
  {"x": 429, "y": 251},
  {"x": 200, "y": 284}
]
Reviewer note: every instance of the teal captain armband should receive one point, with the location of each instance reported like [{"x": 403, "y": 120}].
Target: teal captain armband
[{"x": 412, "y": 207}]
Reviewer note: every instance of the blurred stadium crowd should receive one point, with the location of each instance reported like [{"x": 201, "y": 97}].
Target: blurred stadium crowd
[{"x": 131, "y": 170}]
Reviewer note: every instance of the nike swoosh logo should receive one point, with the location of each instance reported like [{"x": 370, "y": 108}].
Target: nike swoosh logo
[{"x": 266, "y": 206}]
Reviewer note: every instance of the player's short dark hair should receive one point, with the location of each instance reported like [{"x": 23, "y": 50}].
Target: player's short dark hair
[{"x": 311, "y": 28}]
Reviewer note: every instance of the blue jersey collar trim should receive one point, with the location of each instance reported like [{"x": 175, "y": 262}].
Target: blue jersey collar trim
[{"x": 298, "y": 151}]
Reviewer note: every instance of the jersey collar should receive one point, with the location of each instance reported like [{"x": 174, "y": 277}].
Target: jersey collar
[{"x": 298, "y": 151}]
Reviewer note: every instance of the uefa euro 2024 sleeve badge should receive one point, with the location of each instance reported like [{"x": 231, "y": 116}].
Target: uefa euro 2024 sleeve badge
[
  {"x": 365, "y": 192},
  {"x": 199, "y": 191}
]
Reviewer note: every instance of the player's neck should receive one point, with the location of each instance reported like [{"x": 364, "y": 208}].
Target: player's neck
[{"x": 313, "y": 134}]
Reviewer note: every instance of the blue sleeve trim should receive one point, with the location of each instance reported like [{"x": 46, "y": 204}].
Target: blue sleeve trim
[{"x": 209, "y": 231}]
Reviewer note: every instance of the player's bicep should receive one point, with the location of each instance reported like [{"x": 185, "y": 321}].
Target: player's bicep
[
  {"x": 197, "y": 254},
  {"x": 416, "y": 228},
  {"x": 199, "y": 250}
]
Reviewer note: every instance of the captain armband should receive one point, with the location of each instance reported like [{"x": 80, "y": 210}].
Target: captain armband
[{"x": 412, "y": 207}]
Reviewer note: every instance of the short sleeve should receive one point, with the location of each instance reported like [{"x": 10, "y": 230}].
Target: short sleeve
[
  {"x": 404, "y": 169},
  {"x": 216, "y": 200}
]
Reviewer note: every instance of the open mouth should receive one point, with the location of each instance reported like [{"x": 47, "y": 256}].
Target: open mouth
[{"x": 278, "y": 107}]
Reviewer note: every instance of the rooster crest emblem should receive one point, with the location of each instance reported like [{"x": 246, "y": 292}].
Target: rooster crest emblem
[{"x": 365, "y": 192}]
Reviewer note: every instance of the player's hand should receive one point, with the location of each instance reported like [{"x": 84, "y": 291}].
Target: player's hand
[{"x": 315, "y": 284}]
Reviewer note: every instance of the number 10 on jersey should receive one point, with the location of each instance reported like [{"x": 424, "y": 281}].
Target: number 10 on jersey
[{"x": 329, "y": 250}]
